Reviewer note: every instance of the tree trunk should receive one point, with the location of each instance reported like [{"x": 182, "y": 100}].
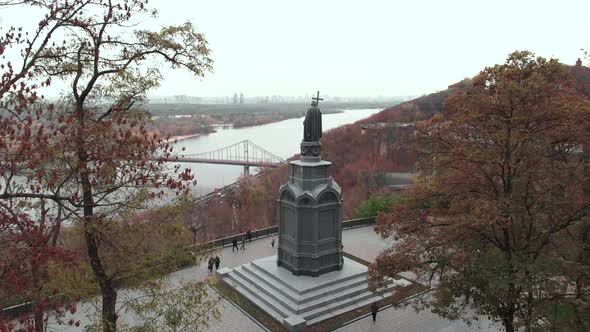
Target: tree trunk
[
  {"x": 39, "y": 322},
  {"x": 108, "y": 291},
  {"x": 509, "y": 325},
  {"x": 109, "y": 314}
]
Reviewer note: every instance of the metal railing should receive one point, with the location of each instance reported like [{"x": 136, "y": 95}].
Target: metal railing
[
  {"x": 359, "y": 222},
  {"x": 268, "y": 231}
]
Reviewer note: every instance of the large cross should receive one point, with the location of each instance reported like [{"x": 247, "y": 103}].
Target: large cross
[{"x": 317, "y": 99}]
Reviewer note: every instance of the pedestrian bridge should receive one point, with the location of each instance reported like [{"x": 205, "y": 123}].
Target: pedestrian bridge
[{"x": 244, "y": 153}]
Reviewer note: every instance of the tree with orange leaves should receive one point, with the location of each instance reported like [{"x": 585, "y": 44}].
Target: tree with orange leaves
[{"x": 503, "y": 180}]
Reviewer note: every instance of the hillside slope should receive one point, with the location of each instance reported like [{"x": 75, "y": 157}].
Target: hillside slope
[{"x": 361, "y": 153}]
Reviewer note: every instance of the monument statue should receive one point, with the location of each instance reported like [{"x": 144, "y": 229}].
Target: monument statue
[
  {"x": 310, "y": 208},
  {"x": 309, "y": 279},
  {"x": 312, "y": 125},
  {"x": 312, "y": 132}
]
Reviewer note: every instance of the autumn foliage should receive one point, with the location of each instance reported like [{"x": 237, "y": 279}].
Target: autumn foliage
[
  {"x": 358, "y": 161},
  {"x": 499, "y": 216},
  {"x": 90, "y": 157}
]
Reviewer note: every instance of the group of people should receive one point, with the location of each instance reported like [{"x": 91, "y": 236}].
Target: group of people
[
  {"x": 213, "y": 262},
  {"x": 235, "y": 243},
  {"x": 246, "y": 236}
]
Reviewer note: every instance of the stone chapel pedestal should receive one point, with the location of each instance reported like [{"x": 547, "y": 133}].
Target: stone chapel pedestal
[{"x": 310, "y": 233}]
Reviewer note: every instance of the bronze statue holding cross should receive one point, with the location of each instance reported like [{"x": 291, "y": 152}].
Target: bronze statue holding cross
[{"x": 312, "y": 125}]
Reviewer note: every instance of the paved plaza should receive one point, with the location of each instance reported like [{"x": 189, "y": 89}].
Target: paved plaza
[{"x": 362, "y": 242}]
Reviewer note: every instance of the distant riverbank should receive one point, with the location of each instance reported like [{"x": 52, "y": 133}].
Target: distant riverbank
[
  {"x": 224, "y": 110},
  {"x": 183, "y": 121},
  {"x": 246, "y": 121},
  {"x": 173, "y": 139},
  {"x": 281, "y": 138}
]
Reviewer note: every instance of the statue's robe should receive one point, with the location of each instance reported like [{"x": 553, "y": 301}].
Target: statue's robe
[{"x": 312, "y": 125}]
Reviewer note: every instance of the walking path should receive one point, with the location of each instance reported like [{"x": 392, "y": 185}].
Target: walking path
[{"x": 361, "y": 242}]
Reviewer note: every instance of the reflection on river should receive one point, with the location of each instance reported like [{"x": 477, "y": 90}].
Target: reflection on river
[{"x": 280, "y": 138}]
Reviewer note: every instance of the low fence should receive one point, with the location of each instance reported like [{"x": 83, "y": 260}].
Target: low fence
[
  {"x": 268, "y": 231},
  {"x": 359, "y": 222}
]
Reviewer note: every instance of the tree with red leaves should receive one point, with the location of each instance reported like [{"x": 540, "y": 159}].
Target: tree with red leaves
[
  {"x": 30, "y": 218},
  {"x": 27, "y": 249},
  {"x": 503, "y": 185},
  {"x": 91, "y": 154}
]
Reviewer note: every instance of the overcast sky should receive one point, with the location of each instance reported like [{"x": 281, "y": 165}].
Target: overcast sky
[{"x": 365, "y": 48}]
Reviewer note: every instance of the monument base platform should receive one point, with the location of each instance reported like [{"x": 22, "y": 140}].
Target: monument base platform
[{"x": 299, "y": 301}]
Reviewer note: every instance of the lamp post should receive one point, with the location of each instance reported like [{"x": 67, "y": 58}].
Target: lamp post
[{"x": 194, "y": 227}]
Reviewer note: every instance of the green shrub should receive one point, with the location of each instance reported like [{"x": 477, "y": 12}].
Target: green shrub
[{"x": 377, "y": 204}]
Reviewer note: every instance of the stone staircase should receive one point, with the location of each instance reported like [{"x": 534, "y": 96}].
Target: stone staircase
[{"x": 309, "y": 299}]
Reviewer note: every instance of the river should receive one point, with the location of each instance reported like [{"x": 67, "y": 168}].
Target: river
[{"x": 280, "y": 138}]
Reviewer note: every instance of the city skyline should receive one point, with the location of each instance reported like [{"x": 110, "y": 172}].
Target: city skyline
[{"x": 346, "y": 48}]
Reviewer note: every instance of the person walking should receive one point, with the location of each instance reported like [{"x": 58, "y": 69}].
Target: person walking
[
  {"x": 235, "y": 244},
  {"x": 272, "y": 242},
  {"x": 243, "y": 242},
  {"x": 210, "y": 265},
  {"x": 249, "y": 235},
  {"x": 217, "y": 262},
  {"x": 374, "y": 309}
]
